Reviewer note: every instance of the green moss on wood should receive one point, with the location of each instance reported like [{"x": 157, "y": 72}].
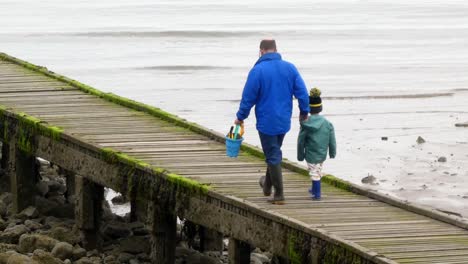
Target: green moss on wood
[
  {"x": 295, "y": 256},
  {"x": 338, "y": 183},
  {"x": 189, "y": 185}
]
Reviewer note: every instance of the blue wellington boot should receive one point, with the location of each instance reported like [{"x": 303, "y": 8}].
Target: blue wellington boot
[
  {"x": 316, "y": 190},
  {"x": 312, "y": 190}
]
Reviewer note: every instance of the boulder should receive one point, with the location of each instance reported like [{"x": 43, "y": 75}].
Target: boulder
[
  {"x": 4, "y": 256},
  {"x": 7, "y": 247},
  {"x": 78, "y": 253},
  {"x": 84, "y": 260},
  {"x": 442, "y": 159},
  {"x": 29, "y": 213},
  {"x": 42, "y": 188},
  {"x": 125, "y": 257},
  {"x": 116, "y": 230},
  {"x": 262, "y": 258},
  {"x": 31, "y": 242},
  {"x": 420, "y": 140},
  {"x": 32, "y": 225},
  {"x": 20, "y": 259},
  {"x": 43, "y": 257},
  {"x": 62, "y": 250},
  {"x": 135, "y": 245},
  {"x": 370, "y": 179},
  {"x": 119, "y": 199},
  {"x": 3, "y": 224},
  {"x": 12, "y": 234},
  {"x": 6, "y": 198},
  {"x": 3, "y": 209},
  {"x": 63, "y": 234}
]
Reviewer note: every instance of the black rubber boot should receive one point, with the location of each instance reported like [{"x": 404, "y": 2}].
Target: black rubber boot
[
  {"x": 277, "y": 182},
  {"x": 265, "y": 183}
]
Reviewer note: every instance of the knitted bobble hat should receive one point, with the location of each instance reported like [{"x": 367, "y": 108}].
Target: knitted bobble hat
[{"x": 315, "y": 102}]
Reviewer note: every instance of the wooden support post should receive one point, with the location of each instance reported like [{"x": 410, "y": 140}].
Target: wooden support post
[
  {"x": 210, "y": 240},
  {"x": 70, "y": 181},
  {"x": 239, "y": 252},
  {"x": 4, "y": 181},
  {"x": 163, "y": 234},
  {"x": 23, "y": 179},
  {"x": 138, "y": 210},
  {"x": 88, "y": 211}
]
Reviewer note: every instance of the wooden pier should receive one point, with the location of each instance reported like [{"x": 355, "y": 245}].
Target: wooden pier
[{"x": 171, "y": 168}]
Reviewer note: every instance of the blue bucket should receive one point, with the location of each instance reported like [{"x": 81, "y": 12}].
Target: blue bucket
[{"x": 233, "y": 147}]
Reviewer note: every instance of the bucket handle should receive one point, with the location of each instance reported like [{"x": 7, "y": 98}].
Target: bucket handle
[{"x": 236, "y": 131}]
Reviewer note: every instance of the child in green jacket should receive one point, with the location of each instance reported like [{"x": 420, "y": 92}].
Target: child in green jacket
[{"x": 316, "y": 138}]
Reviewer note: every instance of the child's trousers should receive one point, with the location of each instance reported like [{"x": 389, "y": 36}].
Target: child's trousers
[{"x": 315, "y": 171}]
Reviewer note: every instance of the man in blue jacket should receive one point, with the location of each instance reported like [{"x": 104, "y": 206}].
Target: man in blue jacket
[{"x": 270, "y": 86}]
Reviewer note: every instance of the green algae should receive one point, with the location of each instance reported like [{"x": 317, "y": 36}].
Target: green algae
[
  {"x": 177, "y": 181},
  {"x": 293, "y": 255}
]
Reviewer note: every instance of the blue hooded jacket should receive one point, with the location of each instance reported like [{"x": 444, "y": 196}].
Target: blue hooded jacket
[{"x": 270, "y": 86}]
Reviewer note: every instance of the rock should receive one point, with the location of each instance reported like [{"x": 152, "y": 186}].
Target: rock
[
  {"x": 20, "y": 259},
  {"x": 6, "y": 198},
  {"x": 107, "y": 214},
  {"x": 255, "y": 260},
  {"x": 30, "y": 242},
  {"x": 55, "y": 186},
  {"x": 208, "y": 260},
  {"x": 92, "y": 253},
  {"x": 63, "y": 234},
  {"x": 183, "y": 252},
  {"x": 29, "y": 213},
  {"x": 6, "y": 255},
  {"x": 125, "y": 257},
  {"x": 110, "y": 258},
  {"x": 370, "y": 179},
  {"x": 11, "y": 235},
  {"x": 384, "y": 138},
  {"x": 42, "y": 188},
  {"x": 3, "y": 209},
  {"x": 134, "y": 261},
  {"x": 66, "y": 210},
  {"x": 3, "y": 224},
  {"x": 32, "y": 225},
  {"x": 7, "y": 247},
  {"x": 78, "y": 253},
  {"x": 261, "y": 257},
  {"x": 95, "y": 260},
  {"x": 56, "y": 198},
  {"x": 119, "y": 199},
  {"x": 43, "y": 257},
  {"x": 67, "y": 261},
  {"x": 135, "y": 244},
  {"x": 442, "y": 159},
  {"x": 44, "y": 205},
  {"x": 420, "y": 140},
  {"x": 138, "y": 229},
  {"x": 84, "y": 260},
  {"x": 62, "y": 250},
  {"x": 116, "y": 230}
]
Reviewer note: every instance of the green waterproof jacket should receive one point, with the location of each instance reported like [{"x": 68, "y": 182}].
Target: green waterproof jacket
[{"x": 316, "y": 138}]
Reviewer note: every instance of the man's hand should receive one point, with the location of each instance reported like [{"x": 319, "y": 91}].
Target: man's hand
[
  {"x": 302, "y": 118},
  {"x": 238, "y": 122}
]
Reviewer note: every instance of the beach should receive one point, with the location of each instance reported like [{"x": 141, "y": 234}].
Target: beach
[{"x": 389, "y": 71}]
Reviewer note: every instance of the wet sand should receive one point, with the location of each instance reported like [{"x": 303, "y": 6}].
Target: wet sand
[{"x": 393, "y": 69}]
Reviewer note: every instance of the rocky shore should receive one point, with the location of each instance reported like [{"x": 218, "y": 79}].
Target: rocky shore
[{"x": 46, "y": 232}]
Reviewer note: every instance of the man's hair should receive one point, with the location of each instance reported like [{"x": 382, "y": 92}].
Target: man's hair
[{"x": 268, "y": 44}]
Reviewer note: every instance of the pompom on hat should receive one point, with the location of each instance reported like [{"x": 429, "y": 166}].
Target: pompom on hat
[{"x": 315, "y": 102}]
